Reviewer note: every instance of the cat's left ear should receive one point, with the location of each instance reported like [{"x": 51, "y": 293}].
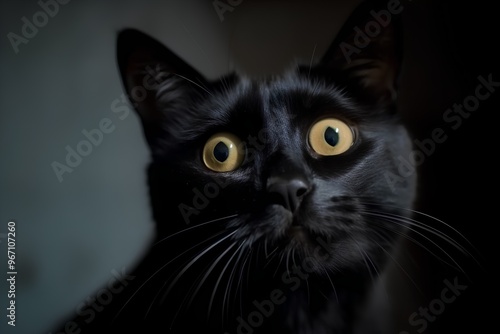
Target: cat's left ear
[
  {"x": 151, "y": 74},
  {"x": 368, "y": 50}
]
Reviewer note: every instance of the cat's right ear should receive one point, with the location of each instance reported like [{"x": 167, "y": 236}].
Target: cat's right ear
[{"x": 150, "y": 72}]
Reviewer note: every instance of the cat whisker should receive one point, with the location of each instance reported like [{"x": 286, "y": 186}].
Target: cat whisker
[
  {"x": 433, "y": 230},
  {"x": 364, "y": 256},
  {"x": 258, "y": 252},
  {"x": 207, "y": 273},
  {"x": 374, "y": 266},
  {"x": 404, "y": 222},
  {"x": 395, "y": 260},
  {"x": 331, "y": 283},
  {"x": 271, "y": 256},
  {"x": 194, "y": 227},
  {"x": 247, "y": 279},
  {"x": 227, "y": 292},
  {"x": 287, "y": 262},
  {"x": 451, "y": 228},
  {"x": 413, "y": 240},
  {"x": 311, "y": 62},
  {"x": 221, "y": 275},
  {"x": 279, "y": 264},
  {"x": 175, "y": 258},
  {"x": 159, "y": 270},
  {"x": 366, "y": 259},
  {"x": 434, "y": 219},
  {"x": 185, "y": 268},
  {"x": 293, "y": 257},
  {"x": 196, "y": 258},
  {"x": 194, "y": 83},
  {"x": 240, "y": 282},
  {"x": 225, "y": 86}
]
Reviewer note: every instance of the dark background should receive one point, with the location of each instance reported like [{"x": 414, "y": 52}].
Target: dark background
[
  {"x": 451, "y": 44},
  {"x": 72, "y": 234}
]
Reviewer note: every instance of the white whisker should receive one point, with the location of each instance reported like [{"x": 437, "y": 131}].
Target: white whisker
[
  {"x": 395, "y": 261},
  {"x": 210, "y": 270},
  {"x": 391, "y": 219},
  {"x": 331, "y": 283},
  {"x": 194, "y": 83},
  {"x": 205, "y": 251},
  {"x": 159, "y": 270},
  {"x": 311, "y": 62},
  {"x": 231, "y": 280},
  {"x": 193, "y": 227},
  {"x": 220, "y": 277}
]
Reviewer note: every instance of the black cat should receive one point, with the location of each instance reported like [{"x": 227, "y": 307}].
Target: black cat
[{"x": 273, "y": 205}]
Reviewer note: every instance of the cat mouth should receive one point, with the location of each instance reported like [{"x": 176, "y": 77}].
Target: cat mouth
[
  {"x": 290, "y": 227},
  {"x": 293, "y": 228},
  {"x": 299, "y": 233}
]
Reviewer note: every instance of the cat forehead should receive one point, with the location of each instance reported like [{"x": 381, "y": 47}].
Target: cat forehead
[
  {"x": 246, "y": 106},
  {"x": 292, "y": 89}
]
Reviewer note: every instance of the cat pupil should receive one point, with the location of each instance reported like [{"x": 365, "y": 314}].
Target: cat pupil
[
  {"x": 221, "y": 151},
  {"x": 332, "y": 136}
]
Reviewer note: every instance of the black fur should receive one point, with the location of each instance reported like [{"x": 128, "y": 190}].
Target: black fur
[{"x": 213, "y": 258}]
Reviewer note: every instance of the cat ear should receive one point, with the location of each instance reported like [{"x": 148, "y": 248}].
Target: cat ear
[
  {"x": 151, "y": 74},
  {"x": 368, "y": 50}
]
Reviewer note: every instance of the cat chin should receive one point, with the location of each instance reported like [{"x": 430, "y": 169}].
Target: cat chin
[
  {"x": 298, "y": 233},
  {"x": 303, "y": 251}
]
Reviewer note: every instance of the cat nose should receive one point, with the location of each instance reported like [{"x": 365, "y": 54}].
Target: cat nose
[{"x": 288, "y": 192}]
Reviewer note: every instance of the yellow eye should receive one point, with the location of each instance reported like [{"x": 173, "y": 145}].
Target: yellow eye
[
  {"x": 223, "y": 152},
  {"x": 330, "y": 136}
]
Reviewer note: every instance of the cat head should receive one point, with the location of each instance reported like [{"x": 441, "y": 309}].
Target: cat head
[{"x": 296, "y": 162}]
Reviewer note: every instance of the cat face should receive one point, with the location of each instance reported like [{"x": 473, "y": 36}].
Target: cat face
[{"x": 293, "y": 165}]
